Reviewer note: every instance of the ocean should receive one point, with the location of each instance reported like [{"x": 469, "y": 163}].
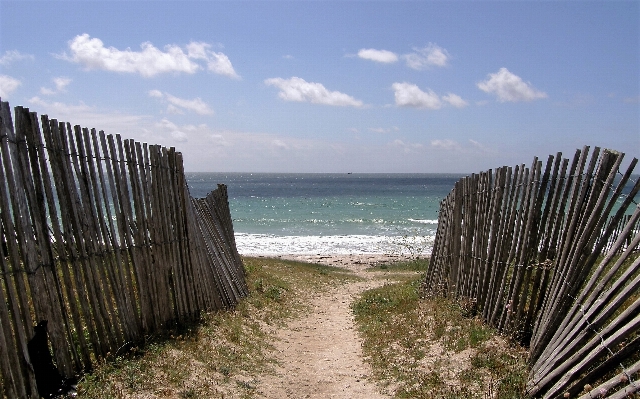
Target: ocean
[{"x": 277, "y": 214}]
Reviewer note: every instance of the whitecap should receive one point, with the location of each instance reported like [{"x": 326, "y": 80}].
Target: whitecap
[
  {"x": 269, "y": 244},
  {"x": 424, "y": 221}
]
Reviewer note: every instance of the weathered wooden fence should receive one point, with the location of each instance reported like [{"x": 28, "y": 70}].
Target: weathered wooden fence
[
  {"x": 543, "y": 257},
  {"x": 101, "y": 239}
]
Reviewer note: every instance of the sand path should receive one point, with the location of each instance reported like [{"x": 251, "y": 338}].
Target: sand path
[{"x": 320, "y": 354}]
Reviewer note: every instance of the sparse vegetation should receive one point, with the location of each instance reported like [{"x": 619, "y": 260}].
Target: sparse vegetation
[
  {"x": 431, "y": 349},
  {"x": 226, "y": 351},
  {"x": 416, "y": 348}
]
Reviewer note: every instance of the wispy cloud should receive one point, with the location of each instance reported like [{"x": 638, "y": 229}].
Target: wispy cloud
[
  {"x": 407, "y": 148},
  {"x": 299, "y": 90},
  {"x": 383, "y": 56},
  {"x": 509, "y": 87},
  {"x": 60, "y": 83},
  {"x": 196, "y": 105},
  {"x": 11, "y": 56},
  {"x": 423, "y": 58},
  {"x": 445, "y": 144},
  {"x": 150, "y": 61},
  {"x": 383, "y": 130},
  {"x": 155, "y": 93},
  {"x": 219, "y": 140},
  {"x": 132, "y": 126},
  {"x": 178, "y": 105},
  {"x": 8, "y": 85},
  {"x": 60, "y": 108},
  {"x": 176, "y": 133},
  {"x": 470, "y": 147},
  {"x": 479, "y": 146}
]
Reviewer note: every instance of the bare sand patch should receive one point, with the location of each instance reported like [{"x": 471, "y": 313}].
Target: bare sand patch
[{"x": 320, "y": 354}]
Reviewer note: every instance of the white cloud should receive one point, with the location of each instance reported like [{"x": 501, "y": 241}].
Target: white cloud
[
  {"x": 384, "y": 56},
  {"x": 217, "y": 63},
  {"x": 455, "y": 100},
  {"x": 220, "y": 64},
  {"x": 8, "y": 85},
  {"x": 173, "y": 110},
  {"x": 198, "y": 50},
  {"x": 297, "y": 89},
  {"x": 509, "y": 87},
  {"x": 91, "y": 53},
  {"x": 150, "y": 61},
  {"x": 178, "y": 105},
  {"x": 432, "y": 55},
  {"x": 14, "y": 55},
  {"x": 410, "y": 95}
]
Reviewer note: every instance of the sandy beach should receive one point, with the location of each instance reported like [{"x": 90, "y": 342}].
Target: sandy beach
[
  {"x": 320, "y": 354},
  {"x": 353, "y": 262}
]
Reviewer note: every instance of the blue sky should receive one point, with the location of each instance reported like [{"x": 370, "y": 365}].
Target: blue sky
[{"x": 334, "y": 86}]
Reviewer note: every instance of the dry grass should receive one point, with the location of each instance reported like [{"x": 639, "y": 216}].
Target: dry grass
[
  {"x": 430, "y": 349},
  {"x": 224, "y": 354},
  {"x": 418, "y": 349}
]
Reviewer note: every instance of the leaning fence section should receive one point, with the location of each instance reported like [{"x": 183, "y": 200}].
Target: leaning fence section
[
  {"x": 101, "y": 244},
  {"x": 548, "y": 254}
]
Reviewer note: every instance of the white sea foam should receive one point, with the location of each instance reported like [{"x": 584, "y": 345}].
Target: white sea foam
[
  {"x": 424, "y": 221},
  {"x": 267, "y": 244}
]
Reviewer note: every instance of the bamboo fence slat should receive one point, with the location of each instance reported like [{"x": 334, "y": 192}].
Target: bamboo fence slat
[
  {"x": 549, "y": 256},
  {"x": 102, "y": 240}
]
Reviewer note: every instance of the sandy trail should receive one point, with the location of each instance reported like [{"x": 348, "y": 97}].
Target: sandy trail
[{"x": 320, "y": 354}]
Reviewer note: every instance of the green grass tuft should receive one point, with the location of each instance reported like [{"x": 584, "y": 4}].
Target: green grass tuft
[{"x": 429, "y": 349}]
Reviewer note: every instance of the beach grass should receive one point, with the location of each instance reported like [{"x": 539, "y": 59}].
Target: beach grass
[
  {"x": 222, "y": 354},
  {"x": 409, "y": 342},
  {"x": 408, "y": 265},
  {"x": 432, "y": 349}
]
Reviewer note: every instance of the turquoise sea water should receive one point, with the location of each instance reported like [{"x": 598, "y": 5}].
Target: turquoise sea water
[{"x": 330, "y": 213}]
